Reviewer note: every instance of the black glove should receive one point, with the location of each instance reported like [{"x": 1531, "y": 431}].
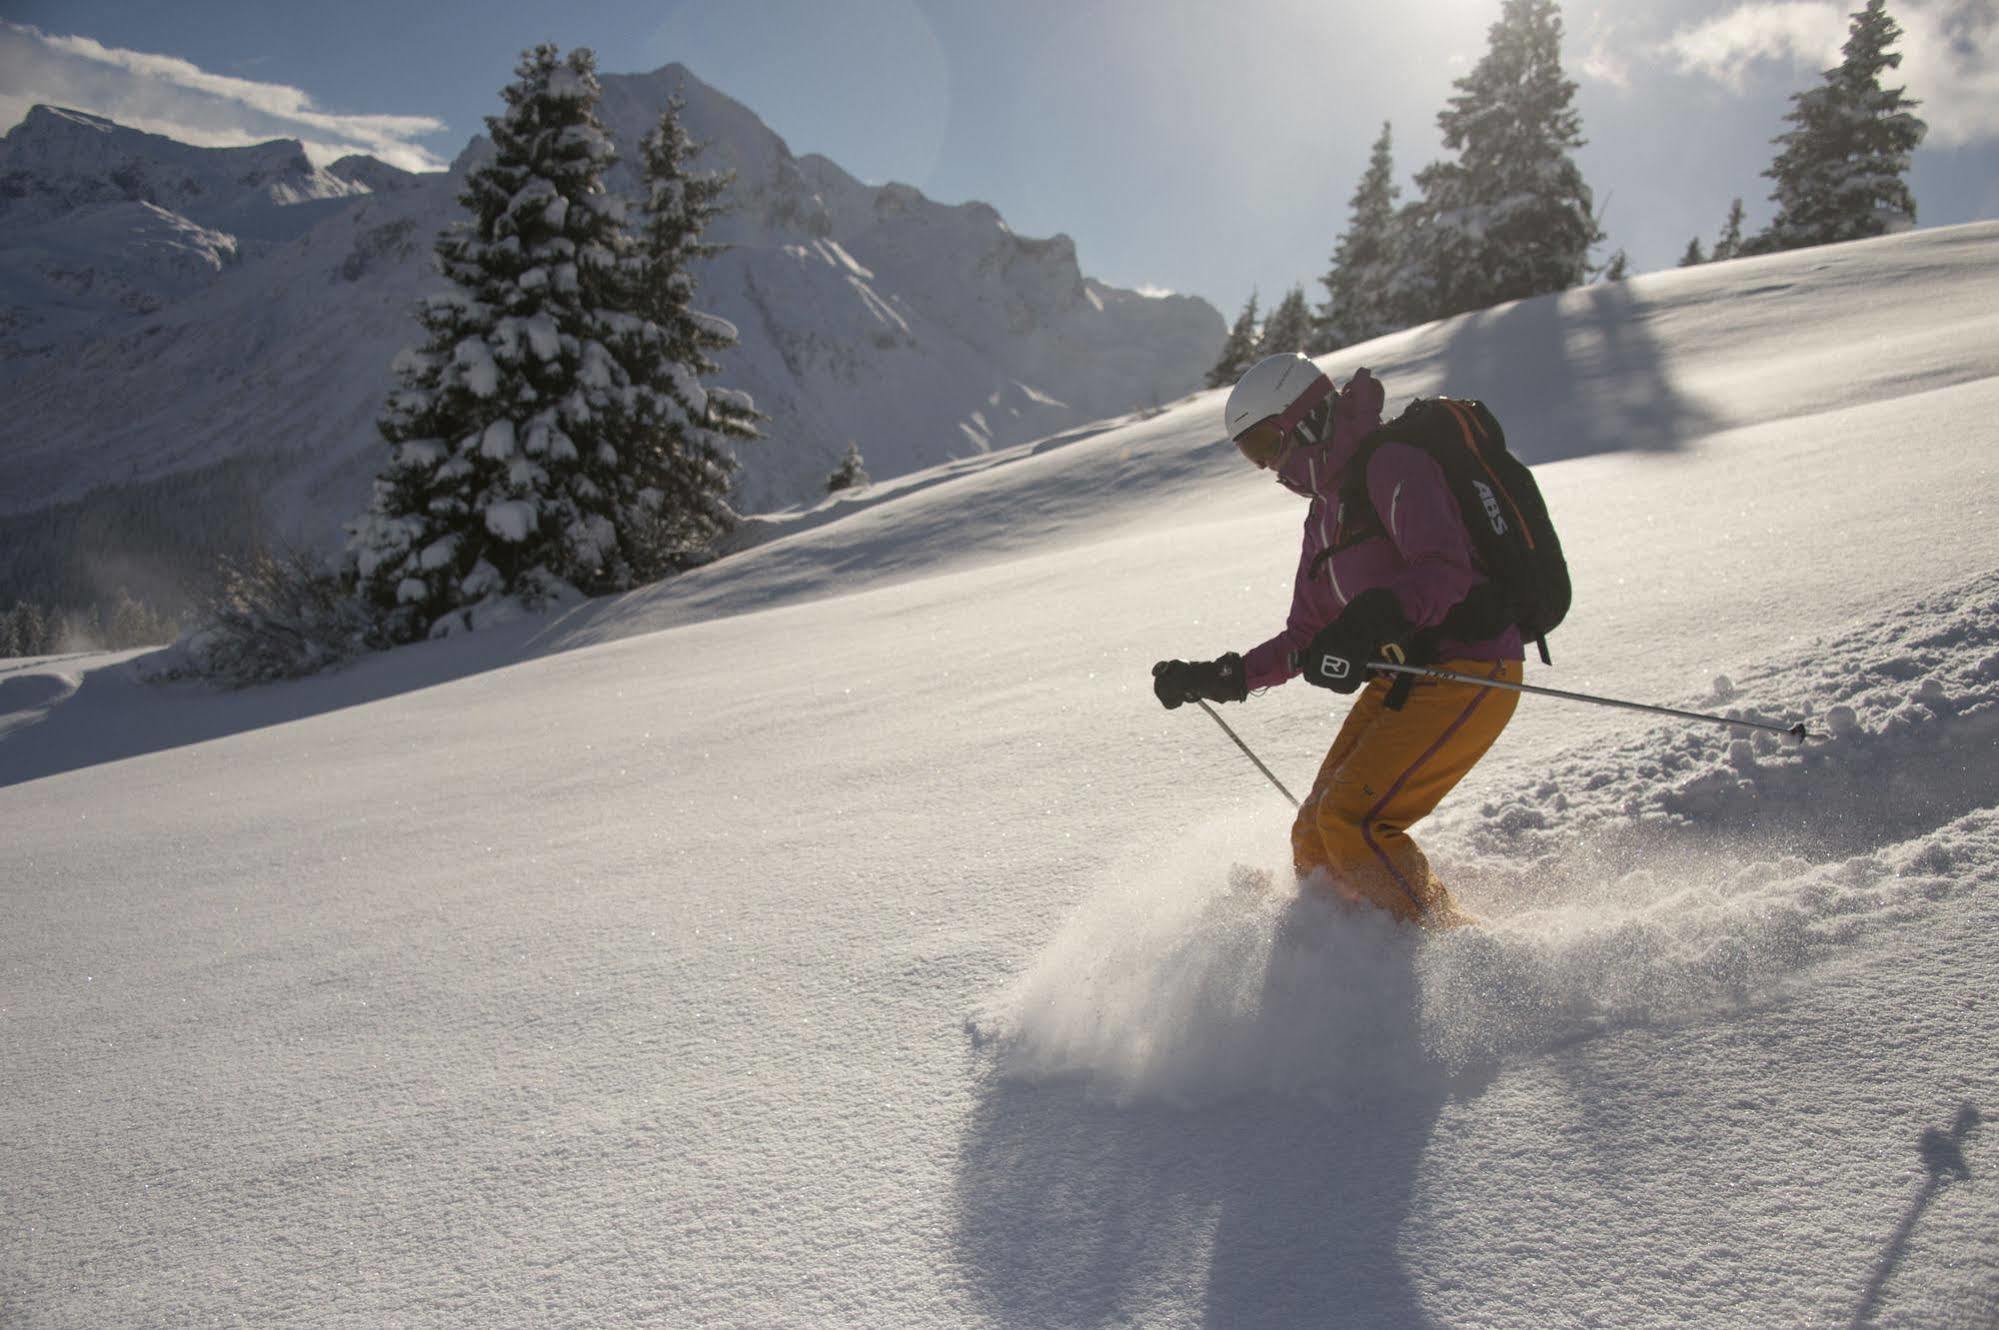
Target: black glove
[
  {"x": 1178, "y": 681},
  {"x": 1372, "y": 627}
]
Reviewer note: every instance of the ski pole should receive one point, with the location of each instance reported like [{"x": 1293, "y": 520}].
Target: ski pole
[
  {"x": 1797, "y": 731},
  {"x": 1246, "y": 753}
]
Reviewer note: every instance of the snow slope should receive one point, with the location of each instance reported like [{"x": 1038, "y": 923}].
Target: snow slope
[{"x": 841, "y": 935}]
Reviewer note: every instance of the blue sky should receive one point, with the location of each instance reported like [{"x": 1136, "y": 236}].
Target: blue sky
[{"x": 1200, "y": 147}]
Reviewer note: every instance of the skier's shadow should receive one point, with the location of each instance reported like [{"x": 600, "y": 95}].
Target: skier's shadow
[{"x": 1266, "y": 1209}]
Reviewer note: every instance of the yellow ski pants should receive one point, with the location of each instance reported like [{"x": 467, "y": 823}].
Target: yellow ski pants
[{"x": 1386, "y": 771}]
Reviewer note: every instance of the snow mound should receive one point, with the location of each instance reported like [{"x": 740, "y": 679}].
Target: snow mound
[
  {"x": 1907, "y": 702},
  {"x": 29, "y": 691},
  {"x": 1681, "y": 873},
  {"x": 1690, "y": 866}
]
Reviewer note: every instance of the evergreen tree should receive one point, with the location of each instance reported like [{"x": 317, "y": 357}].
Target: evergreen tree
[
  {"x": 1412, "y": 289},
  {"x": 1839, "y": 174},
  {"x": 1730, "y": 242},
  {"x": 1618, "y": 268},
  {"x": 1239, "y": 351},
  {"x": 33, "y": 632},
  {"x": 542, "y": 433},
  {"x": 1693, "y": 257},
  {"x": 131, "y": 623},
  {"x": 1511, "y": 217},
  {"x": 1358, "y": 285},
  {"x": 849, "y": 473},
  {"x": 673, "y": 490},
  {"x": 1289, "y": 327}
]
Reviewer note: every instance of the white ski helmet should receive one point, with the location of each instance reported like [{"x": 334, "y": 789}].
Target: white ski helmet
[{"x": 1274, "y": 386}]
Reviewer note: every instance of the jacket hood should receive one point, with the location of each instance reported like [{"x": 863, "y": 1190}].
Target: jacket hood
[{"x": 1329, "y": 435}]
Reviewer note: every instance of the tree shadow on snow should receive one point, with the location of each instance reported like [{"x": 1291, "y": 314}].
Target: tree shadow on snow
[
  {"x": 95, "y": 709},
  {"x": 1263, "y": 1209},
  {"x": 1572, "y": 376}
]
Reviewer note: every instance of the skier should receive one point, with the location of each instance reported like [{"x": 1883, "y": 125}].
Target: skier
[{"x": 1371, "y": 585}]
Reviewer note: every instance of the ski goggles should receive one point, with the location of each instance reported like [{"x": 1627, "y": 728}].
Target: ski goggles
[{"x": 1265, "y": 444}]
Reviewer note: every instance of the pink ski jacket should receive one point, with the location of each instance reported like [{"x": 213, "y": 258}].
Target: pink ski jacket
[{"x": 1423, "y": 553}]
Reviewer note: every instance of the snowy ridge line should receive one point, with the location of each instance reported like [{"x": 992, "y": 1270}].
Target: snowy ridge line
[{"x": 756, "y": 529}]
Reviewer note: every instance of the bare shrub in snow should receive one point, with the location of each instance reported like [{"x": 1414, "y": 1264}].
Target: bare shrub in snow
[{"x": 273, "y": 615}]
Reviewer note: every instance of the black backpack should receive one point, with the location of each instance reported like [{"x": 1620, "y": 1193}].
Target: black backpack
[{"x": 1527, "y": 580}]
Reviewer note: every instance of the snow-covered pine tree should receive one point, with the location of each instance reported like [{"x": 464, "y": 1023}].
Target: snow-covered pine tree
[
  {"x": 1357, "y": 305},
  {"x": 1289, "y": 327},
  {"x": 1839, "y": 175},
  {"x": 489, "y": 489},
  {"x": 1410, "y": 292},
  {"x": 1693, "y": 257},
  {"x": 1511, "y": 217},
  {"x": 21, "y": 631},
  {"x": 1729, "y": 244},
  {"x": 520, "y": 431},
  {"x": 1239, "y": 351},
  {"x": 672, "y": 489},
  {"x": 850, "y": 473},
  {"x": 36, "y": 630}
]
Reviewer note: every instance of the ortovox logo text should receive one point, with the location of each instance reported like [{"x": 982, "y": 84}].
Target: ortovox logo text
[
  {"x": 1333, "y": 667},
  {"x": 1491, "y": 503}
]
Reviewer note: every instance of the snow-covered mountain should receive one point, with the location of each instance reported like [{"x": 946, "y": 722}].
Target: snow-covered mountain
[
  {"x": 245, "y": 306},
  {"x": 57, "y": 162},
  {"x": 841, "y": 934},
  {"x": 101, "y": 224}
]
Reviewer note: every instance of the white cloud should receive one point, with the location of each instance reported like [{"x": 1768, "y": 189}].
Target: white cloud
[
  {"x": 1801, "y": 32},
  {"x": 1950, "y": 54},
  {"x": 1603, "y": 65},
  {"x": 166, "y": 95},
  {"x": 1601, "y": 61}
]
